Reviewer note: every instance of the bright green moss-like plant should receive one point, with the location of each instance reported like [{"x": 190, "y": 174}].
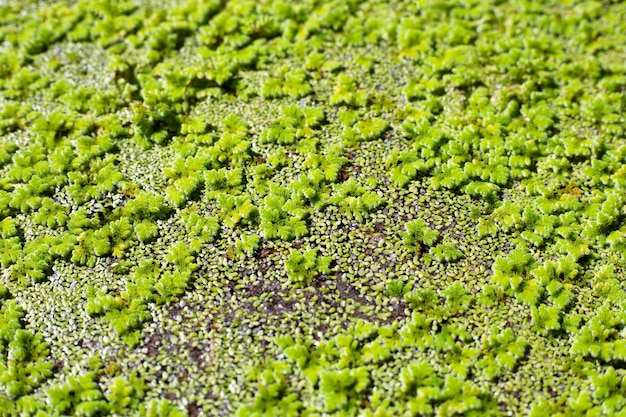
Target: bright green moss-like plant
[
  {"x": 505, "y": 351},
  {"x": 346, "y": 92},
  {"x": 446, "y": 252},
  {"x": 215, "y": 132},
  {"x": 283, "y": 215},
  {"x": 303, "y": 266},
  {"x": 294, "y": 124},
  {"x": 146, "y": 231},
  {"x": 354, "y": 199},
  {"x": 24, "y": 363},
  {"x": 236, "y": 210},
  {"x": 418, "y": 235}
]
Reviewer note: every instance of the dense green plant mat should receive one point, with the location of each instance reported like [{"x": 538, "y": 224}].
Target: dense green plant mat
[{"x": 317, "y": 208}]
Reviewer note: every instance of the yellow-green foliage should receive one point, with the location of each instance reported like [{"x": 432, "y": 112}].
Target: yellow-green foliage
[{"x": 316, "y": 207}]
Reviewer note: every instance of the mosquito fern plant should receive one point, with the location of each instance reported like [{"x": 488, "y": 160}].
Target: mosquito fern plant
[{"x": 303, "y": 266}]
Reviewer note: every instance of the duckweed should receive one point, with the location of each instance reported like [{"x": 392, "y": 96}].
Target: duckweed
[{"x": 372, "y": 208}]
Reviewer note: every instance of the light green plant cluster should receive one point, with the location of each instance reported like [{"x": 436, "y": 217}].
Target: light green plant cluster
[
  {"x": 23, "y": 356},
  {"x": 303, "y": 266},
  {"x": 176, "y": 180},
  {"x": 344, "y": 375}
]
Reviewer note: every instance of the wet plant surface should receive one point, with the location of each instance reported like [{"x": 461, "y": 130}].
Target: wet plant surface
[{"x": 317, "y": 208}]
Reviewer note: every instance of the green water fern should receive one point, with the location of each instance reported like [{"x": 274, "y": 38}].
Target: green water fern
[
  {"x": 354, "y": 199},
  {"x": 418, "y": 235},
  {"x": 303, "y": 266}
]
